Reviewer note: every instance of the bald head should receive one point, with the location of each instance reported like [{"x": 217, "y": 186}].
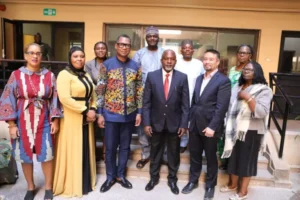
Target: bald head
[{"x": 168, "y": 60}]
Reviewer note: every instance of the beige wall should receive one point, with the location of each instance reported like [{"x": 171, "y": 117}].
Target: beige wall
[{"x": 271, "y": 24}]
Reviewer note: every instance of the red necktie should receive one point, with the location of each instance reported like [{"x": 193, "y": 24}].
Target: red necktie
[{"x": 166, "y": 86}]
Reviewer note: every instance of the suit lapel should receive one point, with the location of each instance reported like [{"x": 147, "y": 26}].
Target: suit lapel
[
  {"x": 210, "y": 83},
  {"x": 198, "y": 88},
  {"x": 172, "y": 86},
  {"x": 160, "y": 85}
]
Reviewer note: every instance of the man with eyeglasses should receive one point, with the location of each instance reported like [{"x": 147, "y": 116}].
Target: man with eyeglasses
[
  {"x": 149, "y": 59},
  {"x": 120, "y": 91},
  {"x": 192, "y": 68}
]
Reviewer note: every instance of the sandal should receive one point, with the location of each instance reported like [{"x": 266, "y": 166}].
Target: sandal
[
  {"x": 29, "y": 195},
  {"x": 227, "y": 189},
  {"x": 141, "y": 163},
  {"x": 237, "y": 197},
  {"x": 48, "y": 195}
]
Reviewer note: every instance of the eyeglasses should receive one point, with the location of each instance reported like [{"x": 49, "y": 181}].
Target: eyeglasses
[
  {"x": 122, "y": 45},
  {"x": 31, "y": 53},
  {"x": 243, "y": 53},
  {"x": 248, "y": 70}
]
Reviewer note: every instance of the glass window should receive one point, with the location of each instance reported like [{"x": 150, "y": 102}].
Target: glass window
[
  {"x": 228, "y": 43},
  {"x": 224, "y": 40},
  {"x": 113, "y": 32}
]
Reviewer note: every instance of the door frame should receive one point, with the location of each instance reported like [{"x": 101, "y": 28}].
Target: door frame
[{"x": 285, "y": 34}]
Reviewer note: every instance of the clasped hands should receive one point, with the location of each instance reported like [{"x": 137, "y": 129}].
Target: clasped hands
[{"x": 91, "y": 116}]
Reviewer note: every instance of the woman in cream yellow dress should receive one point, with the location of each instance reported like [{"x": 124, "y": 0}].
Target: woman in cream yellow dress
[{"x": 75, "y": 166}]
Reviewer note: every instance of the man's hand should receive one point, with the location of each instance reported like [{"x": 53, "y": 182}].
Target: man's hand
[
  {"x": 208, "y": 132},
  {"x": 101, "y": 121},
  {"x": 138, "y": 119},
  {"x": 181, "y": 132},
  {"x": 148, "y": 130}
]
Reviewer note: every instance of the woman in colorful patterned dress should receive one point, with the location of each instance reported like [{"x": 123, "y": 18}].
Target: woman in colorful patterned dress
[
  {"x": 30, "y": 106},
  {"x": 75, "y": 166}
]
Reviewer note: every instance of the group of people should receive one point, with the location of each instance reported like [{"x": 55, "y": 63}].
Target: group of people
[{"x": 172, "y": 103}]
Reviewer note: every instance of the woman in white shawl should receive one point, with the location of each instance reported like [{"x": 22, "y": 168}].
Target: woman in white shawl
[{"x": 245, "y": 127}]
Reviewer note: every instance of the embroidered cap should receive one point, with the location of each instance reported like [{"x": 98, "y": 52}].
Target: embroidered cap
[{"x": 151, "y": 30}]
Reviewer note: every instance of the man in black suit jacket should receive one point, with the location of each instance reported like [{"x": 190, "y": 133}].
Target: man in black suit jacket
[
  {"x": 209, "y": 105},
  {"x": 165, "y": 117}
]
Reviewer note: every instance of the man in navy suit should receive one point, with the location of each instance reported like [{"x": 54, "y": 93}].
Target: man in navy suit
[
  {"x": 165, "y": 117},
  {"x": 209, "y": 105}
]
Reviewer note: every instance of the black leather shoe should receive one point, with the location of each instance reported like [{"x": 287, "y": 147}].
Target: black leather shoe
[
  {"x": 124, "y": 183},
  {"x": 182, "y": 149},
  {"x": 173, "y": 187},
  {"x": 152, "y": 183},
  {"x": 209, "y": 193},
  {"x": 107, "y": 185},
  {"x": 189, "y": 188}
]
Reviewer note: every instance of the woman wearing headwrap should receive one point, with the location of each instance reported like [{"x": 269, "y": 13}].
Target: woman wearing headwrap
[{"x": 75, "y": 169}]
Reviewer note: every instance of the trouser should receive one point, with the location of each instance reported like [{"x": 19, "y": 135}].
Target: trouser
[
  {"x": 117, "y": 134},
  {"x": 145, "y": 142},
  {"x": 198, "y": 144},
  {"x": 158, "y": 141}
]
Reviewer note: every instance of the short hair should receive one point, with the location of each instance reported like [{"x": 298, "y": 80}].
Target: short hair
[
  {"x": 246, "y": 45},
  {"x": 213, "y": 51},
  {"x": 125, "y": 36},
  {"x": 100, "y": 42},
  {"x": 258, "y": 75},
  {"x": 31, "y": 44},
  {"x": 184, "y": 42}
]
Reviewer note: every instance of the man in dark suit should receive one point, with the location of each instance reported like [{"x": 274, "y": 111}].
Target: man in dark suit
[
  {"x": 209, "y": 105},
  {"x": 165, "y": 117}
]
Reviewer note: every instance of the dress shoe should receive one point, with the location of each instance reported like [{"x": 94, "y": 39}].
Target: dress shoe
[
  {"x": 209, "y": 193},
  {"x": 107, "y": 185},
  {"x": 124, "y": 183},
  {"x": 189, "y": 188},
  {"x": 182, "y": 149},
  {"x": 152, "y": 183},
  {"x": 173, "y": 187}
]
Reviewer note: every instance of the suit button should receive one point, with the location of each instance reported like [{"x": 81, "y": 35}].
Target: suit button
[
  {"x": 165, "y": 114},
  {"x": 166, "y": 105}
]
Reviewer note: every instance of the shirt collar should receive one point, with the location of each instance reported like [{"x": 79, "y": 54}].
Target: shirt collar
[
  {"x": 209, "y": 76},
  {"x": 164, "y": 73}
]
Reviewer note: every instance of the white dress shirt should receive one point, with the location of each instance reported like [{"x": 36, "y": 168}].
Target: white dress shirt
[
  {"x": 164, "y": 77},
  {"x": 206, "y": 79}
]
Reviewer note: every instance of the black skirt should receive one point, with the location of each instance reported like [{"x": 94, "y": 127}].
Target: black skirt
[{"x": 244, "y": 157}]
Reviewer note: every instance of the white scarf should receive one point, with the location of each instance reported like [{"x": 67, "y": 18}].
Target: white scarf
[{"x": 239, "y": 116}]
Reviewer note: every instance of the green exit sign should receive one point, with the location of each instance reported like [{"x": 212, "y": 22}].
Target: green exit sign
[{"x": 49, "y": 11}]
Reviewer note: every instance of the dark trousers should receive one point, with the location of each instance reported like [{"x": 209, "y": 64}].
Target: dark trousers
[
  {"x": 158, "y": 141},
  {"x": 117, "y": 134},
  {"x": 197, "y": 144}
]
